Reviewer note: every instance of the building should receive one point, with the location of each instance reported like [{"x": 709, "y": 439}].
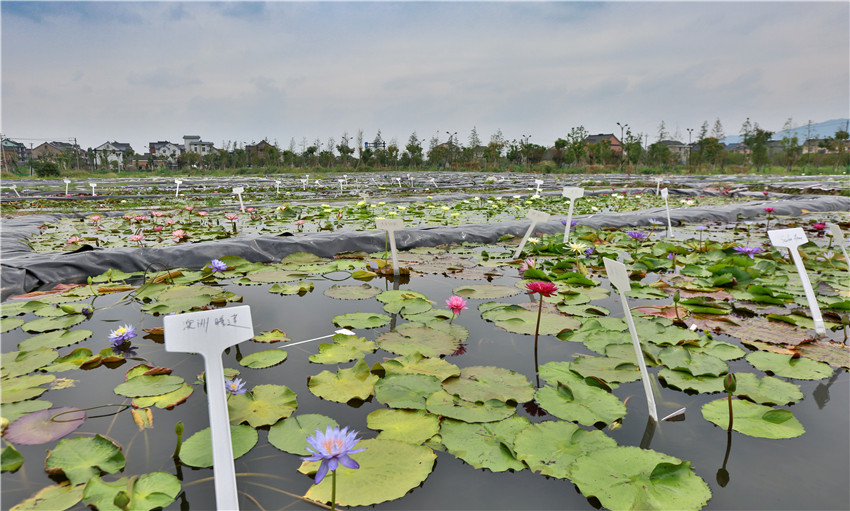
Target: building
[
  {"x": 109, "y": 153},
  {"x": 14, "y": 152},
  {"x": 59, "y": 151},
  {"x": 680, "y": 151},
  {"x": 194, "y": 144},
  {"x": 613, "y": 142}
]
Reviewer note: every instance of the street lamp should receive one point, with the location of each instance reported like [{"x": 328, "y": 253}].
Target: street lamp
[
  {"x": 690, "y": 130},
  {"x": 527, "y": 150},
  {"x": 622, "y": 146},
  {"x": 451, "y": 146}
]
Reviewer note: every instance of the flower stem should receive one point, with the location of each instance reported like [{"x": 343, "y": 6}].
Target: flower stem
[
  {"x": 333, "y": 489},
  {"x": 730, "y": 412},
  {"x": 536, "y": 334}
]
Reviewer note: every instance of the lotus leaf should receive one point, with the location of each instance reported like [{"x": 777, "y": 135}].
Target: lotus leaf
[
  {"x": 416, "y": 363},
  {"x": 767, "y": 390},
  {"x": 351, "y": 292},
  {"x": 148, "y": 491},
  {"x": 483, "y": 383},
  {"x": 550, "y": 447},
  {"x": 406, "y": 390},
  {"x": 356, "y": 382},
  {"x": 443, "y": 403},
  {"x": 487, "y": 445},
  {"x": 635, "y": 478},
  {"x": 388, "y": 470},
  {"x": 10, "y": 459},
  {"x": 753, "y": 419},
  {"x": 263, "y": 359},
  {"x": 361, "y": 320},
  {"x": 789, "y": 366},
  {"x": 197, "y": 449},
  {"x": 418, "y": 337},
  {"x": 24, "y": 387},
  {"x": 485, "y": 291},
  {"x": 40, "y": 428},
  {"x": 17, "y": 363},
  {"x": 411, "y": 426},
  {"x": 82, "y": 458},
  {"x": 343, "y": 349},
  {"x": 54, "y": 340},
  {"x": 290, "y": 434},
  {"x": 52, "y": 498},
  {"x": 263, "y": 406}
]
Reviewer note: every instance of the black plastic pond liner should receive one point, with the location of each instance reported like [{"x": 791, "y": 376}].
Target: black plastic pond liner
[{"x": 24, "y": 271}]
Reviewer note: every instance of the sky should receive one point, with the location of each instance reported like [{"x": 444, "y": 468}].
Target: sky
[{"x": 139, "y": 72}]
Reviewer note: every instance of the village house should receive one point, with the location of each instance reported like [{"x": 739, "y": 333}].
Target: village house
[
  {"x": 680, "y": 151},
  {"x": 117, "y": 153},
  {"x": 613, "y": 142}
]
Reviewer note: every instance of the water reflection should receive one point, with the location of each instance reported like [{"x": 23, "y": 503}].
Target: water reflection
[
  {"x": 722, "y": 473},
  {"x": 821, "y": 392}
]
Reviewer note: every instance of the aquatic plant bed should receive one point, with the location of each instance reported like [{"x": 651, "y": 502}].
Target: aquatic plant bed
[{"x": 461, "y": 411}]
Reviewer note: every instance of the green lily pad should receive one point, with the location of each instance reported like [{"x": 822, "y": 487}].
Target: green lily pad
[
  {"x": 483, "y": 383},
  {"x": 149, "y": 385},
  {"x": 408, "y": 338},
  {"x": 360, "y": 292},
  {"x": 550, "y": 447},
  {"x": 167, "y": 400},
  {"x": 344, "y": 385},
  {"x": 54, "y": 340},
  {"x": 17, "y": 363},
  {"x": 753, "y": 419},
  {"x": 609, "y": 369},
  {"x": 290, "y": 434},
  {"x": 53, "y": 323},
  {"x": 82, "y": 458},
  {"x": 767, "y": 390},
  {"x": 453, "y": 407},
  {"x": 683, "y": 380},
  {"x": 299, "y": 288},
  {"x": 388, "y": 470},
  {"x": 406, "y": 390},
  {"x": 344, "y": 348},
  {"x": 70, "y": 361},
  {"x": 635, "y": 478},
  {"x": 271, "y": 336},
  {"x": 9, "y": 324},
  {"x": 12, "y": 411},
  {"x": 573, "y": 399},
  {"x": 361, "y": 320},
  {"x": 416, "y": 363},
  {"x": 10, "y": 459},
  {"x": 178, "y": 305},
  {"x": 787, "y": 365},
  {"x": 487, "y": 445},
  {"x": 273, "y": 276},
  {"x": 720, "y": 349},
  {"x": 24, "y": 387},
  {"x": 411, "y": 426},
  {"x": 263, "y": 359},
  {"x": 197, "y": 449},
  {"x": 485, "y": 291},
  {"x": 395, "y": 295},
  {"x": 264, "y": 405},
  {"x": 698, "y": 364},
  {"x": 516, "y": 319},
  {"x": 148, "y": 491},
  {"x": 52, "y": 498}
]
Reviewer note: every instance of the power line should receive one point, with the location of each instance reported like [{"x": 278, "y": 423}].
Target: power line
[{"x": 70, "y": 139}]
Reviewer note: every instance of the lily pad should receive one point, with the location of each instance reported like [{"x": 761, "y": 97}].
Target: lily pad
[
  {"x": 263, "y": 359},
  {"x": 24, "y": 387},
  {"x": 635, "y": 478},
  {"x": 263, "y": 406},
  {"x": 406, "y": 390},
  {"x": 53, "y": 498},
  {"x": 789, "y": 366},
  {"x": 197, "y": 449},
  {"x": 683, "y": 380},
  {"x": 53, "y": 323},
  {"x": 550, "y": 447},
  {"x": 767, "y": 390},
  {"x": 290, "y": 434},
  {"x": 9, "y": 324},
  {"x": 271, "y": 336},
  {"x": 485, "y": 291},
  {"x": 609, "y": 369},
  {"x": 10, "y": 459},
  {"x": 409, "y": 338},
  {"x": 148, "y": 491},
  {"x": 485, "y": 445},
  {"x": 12, "y": 411},
  {"x": 17, "y": 363},
  {"x": 344, "y": 348},
  {"x": 299, "y": 288},
  {"x": 753, "y": 419},
  {"x": 516, "y": 319},
  {"x": 411, "y": 426},
  {"x": 453, "y": 407},
  {"x": 361, "y": 320},
  {"x": 82, "y": 458},
  {"x": 360, "y": 292},
  {"x": 344, "y": 385},
  {"x": 54, "y": 340},
  {"x": 167, "y": 400},
  {"x": 149, "y": 385},
  {"x": 416, "y": 363},
  {"x": 38, "y": 428},
  {"x": 483, "y": 383},
  {"x": 698, "y": 364},
  {"x": 574, "y": 400},
  {"x": 388, "y": 470}
]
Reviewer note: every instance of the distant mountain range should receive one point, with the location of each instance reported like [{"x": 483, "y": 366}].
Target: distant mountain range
[{"x": 816, "y": 130}]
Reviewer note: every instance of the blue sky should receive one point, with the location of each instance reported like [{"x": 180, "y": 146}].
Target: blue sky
[{"x": 143, "y": 71}]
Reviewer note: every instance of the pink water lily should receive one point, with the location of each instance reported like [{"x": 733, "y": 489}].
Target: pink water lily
[
  {"x": 231, "y": 216},
  {"x": 546, "y": 289},
  {"x": 179, "y": 234}
]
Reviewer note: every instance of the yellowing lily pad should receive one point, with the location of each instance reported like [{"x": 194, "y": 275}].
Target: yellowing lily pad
[
  {"x": 346, "y": 384},
  {"x": 411, "y": 426}
]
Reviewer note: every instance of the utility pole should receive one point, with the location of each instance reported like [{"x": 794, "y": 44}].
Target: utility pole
[
  {"x": 622, "y": 145},
  {"x": 2, "y": 154},
  {"x": 77, "y": 152}
]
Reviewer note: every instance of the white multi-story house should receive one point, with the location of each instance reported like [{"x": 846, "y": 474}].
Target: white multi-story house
[
  {"x": 109, "y": 152},
  {"x": 165, "y": 150},
  {"x": 194, "y": 144}
]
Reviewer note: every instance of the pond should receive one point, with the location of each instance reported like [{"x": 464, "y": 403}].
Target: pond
[{"x": 467, "y": 413}]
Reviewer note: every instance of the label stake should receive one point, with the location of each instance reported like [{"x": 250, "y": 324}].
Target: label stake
[
  {"x": 667, "y": 207},
  {"x": 391, "y": 225},
  {"x": 238, "y": 192},
  {"x": 535, "y": 217},
  {"x": 791, "y": 239},
  {"x": 572, "y": 193}
]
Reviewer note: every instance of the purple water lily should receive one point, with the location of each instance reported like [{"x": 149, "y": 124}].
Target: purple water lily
[
  {"x": 639, "y": 236},
  {"x": 332, "y": 448},
  {"x": 121, "y": 334},
  {"x": 749, "y": 250},
  {"x": 235, "y": 386},
  {"x": 218, "y": 265}
]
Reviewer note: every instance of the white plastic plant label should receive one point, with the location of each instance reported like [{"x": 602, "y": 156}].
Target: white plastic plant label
[
  {"x": 619, "y": 278},
  {"x": 345, "y": 177},
  {"x": 92, "y": 189},
  {"x": 14, "y": 188},
  {"x": 538, "y": 182},
  {"x": 277, "y": 187},
  {"x": 535, "y": 217},
  {"x": 572, "y": 193},
  {"x": 238, "y": 192},
  {"x": 67, "y": 182},
  {"x": 177, "y": 191},
  {"x": 667, "y": 207},
  {"x": 391, "y": 225},
  {"x": 658, "y": 181},
  {"x": 791, "y": 239},
  {"x": 838, "y": 239},
  {"x": 341, "y": 182},
  {"x": 209, "y": 333},
  {"x": 434, "y": 183},
  {"x": 303, "y": 184}
]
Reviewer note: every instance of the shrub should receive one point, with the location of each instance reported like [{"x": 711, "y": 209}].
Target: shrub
[{"x": 46, "y": 169}]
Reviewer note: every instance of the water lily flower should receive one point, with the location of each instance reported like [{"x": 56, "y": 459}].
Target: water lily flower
[
  {"x": 578, "y": 248},
  {"x": 127, "y": 217},
  {"x": 332, "y": 448},
  {"x": 444, "y": 208},
  {"x": 299, "y": 222},
  {"x": 639, "y": 236},
  {"x": 231, "y": 216},
  {"x": 94, "y": 219},
  {"x": 770, "y": 210},
  {"x": 531, "y": 240},
  {"x": 546, "y": 289},
  {"x": 157, "y": 228},
  {"x": 749, "y": 250},
  {"x": 235, "y": 386},
  {"x": 137, "y": 237},
  {"x": 250, "y": 210},
  {"x": 528, "y": 263},
  {"x": 401, "y": 208},
  {"x": 218, "y": 265},
  {"x": 121, "y": 334},
  {"x": 157, "y": 213},
  {"x": 202, "y": 213},
  {"x": 179, "y": 234},
  {"x": 170, "y": 221},
  {"x": 588, "y": 252},
  {"x": 140, "y": 218},
  {"x": 819, "y": 226},
  {"x": 456, "y": 304},
  {"x": 73, "y": 240},
  {"x": 190, "y": 208}
]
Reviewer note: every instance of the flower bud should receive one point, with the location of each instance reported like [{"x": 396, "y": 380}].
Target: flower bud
[{"x": 730, "y": 383}]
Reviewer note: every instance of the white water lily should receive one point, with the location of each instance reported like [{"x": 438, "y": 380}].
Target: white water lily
[{"x": 578, "y": 248}]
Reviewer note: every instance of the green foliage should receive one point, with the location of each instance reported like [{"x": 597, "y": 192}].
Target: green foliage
[{"x": 45, "y": 168}]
